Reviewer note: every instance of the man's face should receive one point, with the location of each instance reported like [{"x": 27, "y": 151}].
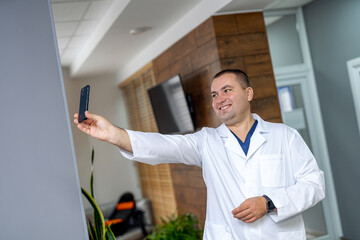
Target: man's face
[{"x": 230, "y": 101}]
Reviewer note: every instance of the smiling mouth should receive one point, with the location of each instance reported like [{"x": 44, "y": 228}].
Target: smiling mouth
[{"x": 224, "y": 107}]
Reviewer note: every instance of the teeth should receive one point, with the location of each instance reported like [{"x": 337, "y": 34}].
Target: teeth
[{"x": 222, "y": 108}]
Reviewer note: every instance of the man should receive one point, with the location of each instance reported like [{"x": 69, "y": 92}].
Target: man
[{"x": 259, "y": 175}]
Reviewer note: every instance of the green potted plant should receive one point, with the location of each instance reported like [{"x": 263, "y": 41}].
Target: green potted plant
[
  {"x": 98, "y": 230},
  {"x": 180, "y": 227}
]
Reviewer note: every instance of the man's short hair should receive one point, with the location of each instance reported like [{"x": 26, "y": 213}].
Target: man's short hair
[{"x": 241, "y": 76}]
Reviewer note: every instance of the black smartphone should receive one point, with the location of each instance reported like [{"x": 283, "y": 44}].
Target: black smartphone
[{"x": 84, "y": 102}]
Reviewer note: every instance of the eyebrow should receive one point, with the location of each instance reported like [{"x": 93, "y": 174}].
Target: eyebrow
[{"x": 226, "y": 86}]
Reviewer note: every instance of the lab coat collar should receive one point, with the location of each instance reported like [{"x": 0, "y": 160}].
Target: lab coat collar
[
  {"x": 256, "y": 141},
  {"x": 262, "y": 125},
  {"x": 225, "y": 132}
]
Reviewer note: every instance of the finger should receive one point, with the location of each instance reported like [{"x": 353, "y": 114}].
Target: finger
[
  {"x": 238, "y": 209},
  {"x": 247, "y": 217},
  {"x": 76, "y": 118},
  {"x": 235, "y": 211},
  {"x": 253, "y": 219},
  {"x": 242, "y": 214},
  {"x": 91, "y": 115},
  {"x": 83, "y": 128},
  {"x": 87, "y": 121}
]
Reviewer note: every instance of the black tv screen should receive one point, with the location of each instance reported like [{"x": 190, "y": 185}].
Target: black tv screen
[{"x": 170, "y": 106}]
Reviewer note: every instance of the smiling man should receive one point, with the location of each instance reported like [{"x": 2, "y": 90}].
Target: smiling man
[{"x": 259, "y": 175}]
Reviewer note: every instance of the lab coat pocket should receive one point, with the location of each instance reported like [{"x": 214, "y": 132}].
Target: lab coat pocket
[
  {"x": 219, "y": 232},
  {"x": 272, "y": 170}
]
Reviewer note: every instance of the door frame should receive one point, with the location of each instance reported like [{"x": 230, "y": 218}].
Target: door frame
[
  {"x": 354, "y": 75},
  {"x": 314, "y": 119}
]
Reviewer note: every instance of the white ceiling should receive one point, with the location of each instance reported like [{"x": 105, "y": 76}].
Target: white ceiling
[{"x": 93, "y": 35}]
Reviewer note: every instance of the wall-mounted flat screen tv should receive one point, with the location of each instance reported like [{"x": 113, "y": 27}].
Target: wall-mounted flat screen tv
[{"x": 172, "y": 108}]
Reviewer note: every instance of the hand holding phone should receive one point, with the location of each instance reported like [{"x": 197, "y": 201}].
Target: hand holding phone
[{"x": 84, "y": 102}]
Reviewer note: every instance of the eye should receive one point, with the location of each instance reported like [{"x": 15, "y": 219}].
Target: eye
[
  {"x": 227, "y": 90},
  {"x": 214, "y": 95}
]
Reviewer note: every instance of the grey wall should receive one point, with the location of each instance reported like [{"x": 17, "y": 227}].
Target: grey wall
[
  {"x": 334, "y": 38},
  {"x": 40, "y": 197}
]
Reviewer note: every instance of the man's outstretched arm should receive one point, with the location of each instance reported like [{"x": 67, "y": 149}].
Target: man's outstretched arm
[{"x": 100, "y": 128}]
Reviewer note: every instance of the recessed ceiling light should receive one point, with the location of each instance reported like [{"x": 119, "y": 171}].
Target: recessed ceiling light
[{"x": 139, "y": 30}]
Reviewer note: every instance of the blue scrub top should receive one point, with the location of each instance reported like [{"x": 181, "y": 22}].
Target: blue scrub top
[{"x": 245, "y": 145}]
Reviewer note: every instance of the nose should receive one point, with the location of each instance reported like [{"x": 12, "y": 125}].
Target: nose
[{"x": 221, "y": 98}]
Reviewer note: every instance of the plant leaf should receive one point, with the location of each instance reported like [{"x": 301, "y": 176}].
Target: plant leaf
[
  {"x": 92, "y": 173},
  {"x": 91, "y": 184},
  {"x": 110, "y": 234},
  {"x": 92, "y": 231},
  {"x": 92, "y": 156},
  {"x": 99, "y": 220},
  {"x": 97, "y": 223},
  {"x": 182, "y": 226}
]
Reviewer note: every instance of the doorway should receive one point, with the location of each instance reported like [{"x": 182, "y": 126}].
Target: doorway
[{"x": 300, "y": 109}]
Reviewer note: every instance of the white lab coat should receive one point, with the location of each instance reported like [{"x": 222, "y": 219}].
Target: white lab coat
[{"x": 278, "y": 164}]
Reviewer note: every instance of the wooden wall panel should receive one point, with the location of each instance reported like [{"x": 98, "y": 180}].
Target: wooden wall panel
[
  {"x": 204, "y": 55},
  {"x": 235, "y": 62},
  {"x": 245, "y": 46},
  {"x": 264, "y": 86},
  {"x": 258, "y": 65},
  {"x": 190, "y": 190},
  {"x": 183, "y": 65},
  {"x": 201, "y": 78},
  {"x": 240, "y": 45},
  {"x": 267, "y": 108},
  {"x": 180, "y": 49},
  {"x": 250, "y": 23},
  {"x": 225, "y": 25},
  {"x": 205, "y": 32}
]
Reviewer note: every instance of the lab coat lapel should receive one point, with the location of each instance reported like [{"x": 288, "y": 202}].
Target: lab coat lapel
[
  {"x": 257, "y": 139},
  {"x": 233, "y": 145},
  {"x": 231, "y": 142}
]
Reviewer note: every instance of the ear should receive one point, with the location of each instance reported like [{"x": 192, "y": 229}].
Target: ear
[{"x": 249, "y": 93}]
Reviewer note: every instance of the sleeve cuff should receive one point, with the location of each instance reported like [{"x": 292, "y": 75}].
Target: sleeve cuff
[
  {"x": 280, "y": 205},
  {"x": 126, "y": 154}
]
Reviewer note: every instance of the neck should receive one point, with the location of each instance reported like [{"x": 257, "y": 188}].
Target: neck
[{"x": 242, "y": 127}]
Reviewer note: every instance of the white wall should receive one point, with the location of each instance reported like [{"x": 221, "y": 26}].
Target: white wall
[{"x": 113, "y": 174}]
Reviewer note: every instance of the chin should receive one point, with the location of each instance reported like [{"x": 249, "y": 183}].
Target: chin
[
  {"x": 224, "y": 118},
  {"x": 225, "y": 121}
]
